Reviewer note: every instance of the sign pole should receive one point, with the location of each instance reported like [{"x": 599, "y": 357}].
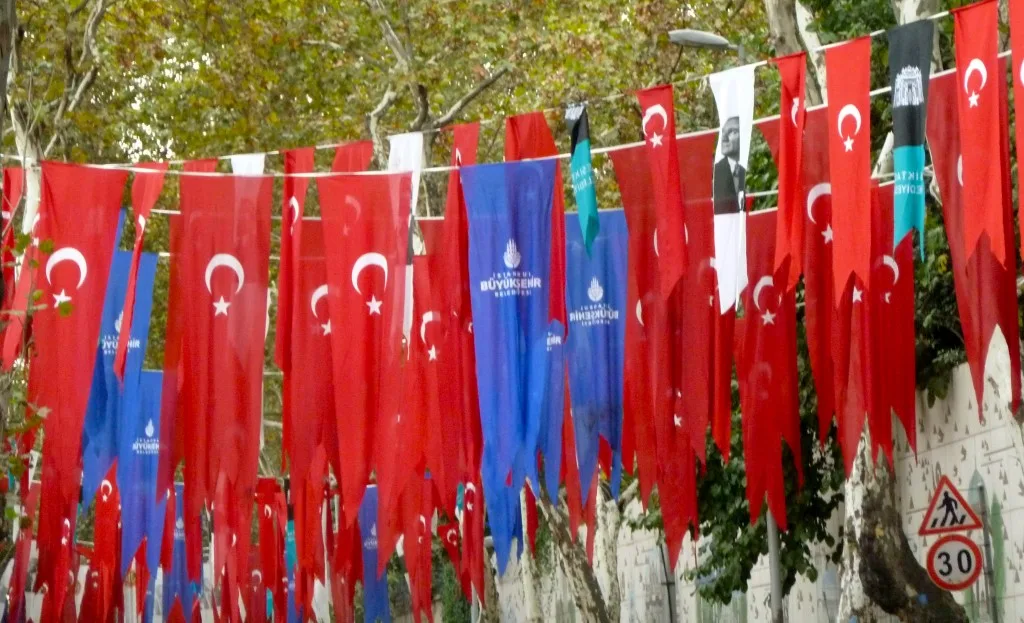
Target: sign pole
[
  {"x": 990, "y": 580},
  {"x": 774, "y": 568}
]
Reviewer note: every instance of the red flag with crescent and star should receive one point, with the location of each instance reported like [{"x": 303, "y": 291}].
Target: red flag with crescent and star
[
  {"x": 220, "y": 248},
  {"x": 766, "y": 370},
  {"x": 294, "y": 196},
  {"x": 976, "y": 34},
  {"x": 78, "y": 215},
  {"x": 368, "y": 218},
  {"x": 271, "y": 513},
  {"x": 659, "y": 130},
  {"x": 986, "y": 289},
  {"x": 849, "y": 143},
  {"x": 789, "y": 235},
  {"x": 145, "y": 191}
]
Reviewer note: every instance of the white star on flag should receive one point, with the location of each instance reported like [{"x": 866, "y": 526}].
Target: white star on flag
[
  {"x": 677, "y": 421},
  {"x": 827, "y": 233},
  {"x": 432, "y": 353},
  {"x": 374, "y": 305},
  {"x": 61, "y": 298},
  {"x": 973, "y": 99},
  {"x": 655, "y": 140},
  {"x": 857, "y": 295},
  {"x": 326, "y": 327},
  {"x": 848, "y": 143},
  {"x": 221, "y": 306},
  {"x": 768, "y": 317}
]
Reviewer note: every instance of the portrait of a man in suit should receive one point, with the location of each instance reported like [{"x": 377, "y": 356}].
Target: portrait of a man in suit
[{"x": 730, "y": 174}]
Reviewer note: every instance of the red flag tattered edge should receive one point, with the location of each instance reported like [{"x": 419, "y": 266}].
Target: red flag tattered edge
[
  {"x": 145, "y": 191},
  {"x": 789, "y": 234},
  {"x": 1017, "y": 77}
]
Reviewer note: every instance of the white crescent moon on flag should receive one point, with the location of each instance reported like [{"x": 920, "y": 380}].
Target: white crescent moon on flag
[
  {"x": 352, "y": 201},
  {"x": 817, "y": 191},
  {"x": 428, "y": 317},
  {"x": 142, "y": 222},
  {"x": 318, "y": 294},
  {"x": 975, "y": 66},
  {"x": 369, "y": 259},
  {"x": 228, "y": 261},
  {"x": 1020, "y": 74},
  {"x": 451, "y": 536},
  {"x": 458, "y": 157},
  {"x": 106, "y": 488},
  {"x": 654, "y": 111},
  {"x": 423, "y": 522},
  {"x": 256, "y": 573},
  {"x": 960, "y": 169},
  {"x": 890, "y": 261},
  {"x": 640, "y": 312},
  {"x": 293, "y": 203},
  {"x": 848, "y": 111},
  {"x": 656, "y": 254},
  {"x": 762, "y": 283},
  {"x": 794, "y": 109},
  {"x": 68, "y": 254}
]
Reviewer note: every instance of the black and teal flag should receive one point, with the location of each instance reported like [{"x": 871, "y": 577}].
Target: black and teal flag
[
  {"x": 583, "y": 173},
  {"x": 910, "y": 60}
]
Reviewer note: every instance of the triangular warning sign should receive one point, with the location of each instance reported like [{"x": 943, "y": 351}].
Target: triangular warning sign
[{"x": 948, "y": 512}]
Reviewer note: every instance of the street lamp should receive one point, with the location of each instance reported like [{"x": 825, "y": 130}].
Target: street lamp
[{"x": 688, "y": 37}]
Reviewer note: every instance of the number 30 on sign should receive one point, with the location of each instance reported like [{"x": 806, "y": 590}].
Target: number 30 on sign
[{"x": 954, "y": 562}]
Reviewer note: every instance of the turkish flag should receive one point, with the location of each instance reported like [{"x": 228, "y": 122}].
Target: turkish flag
[
  {"x": 213, "y": 365},
  {"x": 789, "y": 234},
  {"x": 1017, "y": 77},
  {"x": 892, "y": 329},
  {"x": 766, "y": 370},
  {"x": 294, "y": 195},
  {"x": 22, "y": 553},
  {"x": 145, "y": 191},
  {"x": 986, "y": 289},
  {"x": 368, "y": 218},
  {"x": 448, "y": 265},
  {"x": 978, "y": 76},
  {"x": 106, "y": 557},
  {"x": 352, "y": 157},
  {"x": 14, "y": 181},
  {"x": 203, "y": 165},
  {"x": 849, "y": 143},
  {"x": 473, "y": 536},
  {"x": 270, "y": 510},
  {"x": 78, "y": 214},
  {"x": 417, "y": 513},
  {"x": 449, "y": 535},
  {"x": 816, "y": 214},
  {"x": 659, "y": 129}
]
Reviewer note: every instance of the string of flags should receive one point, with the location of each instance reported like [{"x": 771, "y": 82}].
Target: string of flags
[{"x": 524, "y": 350}]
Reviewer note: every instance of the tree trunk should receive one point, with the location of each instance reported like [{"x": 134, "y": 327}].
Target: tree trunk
[
  {"x": 879, "y": 568},
  {"x": 788, "y": 22}
]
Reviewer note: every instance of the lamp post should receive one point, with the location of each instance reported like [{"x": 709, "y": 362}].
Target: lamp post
[{"x": 687, "y": 37}]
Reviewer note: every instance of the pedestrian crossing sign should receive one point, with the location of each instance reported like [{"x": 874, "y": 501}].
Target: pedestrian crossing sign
[{"x": 948, "y": 512}]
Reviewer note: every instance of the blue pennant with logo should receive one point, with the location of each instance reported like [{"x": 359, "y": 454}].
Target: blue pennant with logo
[
  {"x": 107, "y": 396},
  {"x": 142, "y": 508},
  {"x": 176, "y": 582},
  {"x": 595, "y": 350},
  {"x": 375, "y": 589},
  {"x": 509, "y": 214}
]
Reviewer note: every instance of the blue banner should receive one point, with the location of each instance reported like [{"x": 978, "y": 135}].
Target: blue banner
[
  {"x": 375, "y": 589},
  {"x": 142, "y": 508},
  {"x": 596, "y": 300},
  {"x": 509, "y": 214},
  {"x": 176, "y": 582},
  {"x": 290, "y": 559},
  {"x": 107, "y": 396}
]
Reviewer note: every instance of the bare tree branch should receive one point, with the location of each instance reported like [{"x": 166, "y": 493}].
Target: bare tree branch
[
  {"x": 330, "y": 45},
  {"x": 422, "y": 107},
  {"x": 468, "y": 98}
]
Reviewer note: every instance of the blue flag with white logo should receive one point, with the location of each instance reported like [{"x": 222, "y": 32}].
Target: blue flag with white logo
[
  {"x": 509, "y": 213},
  {"x": 375, "y": 589},
  {"x": 142, "y": 508},
  {"x": 596, "y": 300},
  {"x": 176, "y": 582},
  {"x": 107, "y": 396},
  {"x": 290, "y": 559}
]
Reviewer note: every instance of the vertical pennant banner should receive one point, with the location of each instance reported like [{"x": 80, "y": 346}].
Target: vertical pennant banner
[
  {"x": 848, "y": 71},
  {"x": 369, "y": 217},
  {"x": 789, "y": 233},
  {"x": 375, "y": 585},
  {"x": 109, "y": 397},
  {"x": 659, "y": 129},
  {"x": 910, "y": 62},
  {"x": 734, "y": 98},
  {"x": 596, "y": 281},
  {"x": 509, "y": 207},
  {"x": 78, "y": 214},
  {"x": 137, "y": 464},
  {"x": 180, "y": 593},
  {"x": 977, "y": 44},
  {"x": 1017, "y": 78},
  {"x": 581, "y": 170}
]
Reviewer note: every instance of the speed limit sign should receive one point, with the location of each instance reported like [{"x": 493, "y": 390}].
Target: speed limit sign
[{"x": 954, "y": 562}]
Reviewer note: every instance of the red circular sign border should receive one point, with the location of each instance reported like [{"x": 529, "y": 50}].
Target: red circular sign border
[{"x": 977, "y": 568}]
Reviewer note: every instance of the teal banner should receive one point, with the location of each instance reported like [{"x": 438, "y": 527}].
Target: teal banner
[{"x": 582, "y": 170}]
